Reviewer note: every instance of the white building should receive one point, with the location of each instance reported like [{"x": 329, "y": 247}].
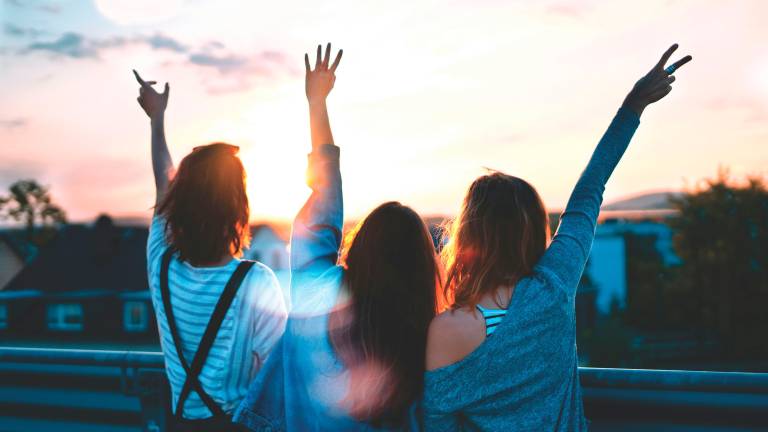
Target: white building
[{"x": 607, "y": 267}]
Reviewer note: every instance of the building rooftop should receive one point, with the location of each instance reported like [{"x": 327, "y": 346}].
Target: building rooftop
[{"x": 97, "y": 257}]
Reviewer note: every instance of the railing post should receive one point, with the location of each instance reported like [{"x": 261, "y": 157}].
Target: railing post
[{"x": 154, "y": 396}]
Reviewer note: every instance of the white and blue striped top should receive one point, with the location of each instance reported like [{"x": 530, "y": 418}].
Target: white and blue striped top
[{"x": 251, "y": 327}]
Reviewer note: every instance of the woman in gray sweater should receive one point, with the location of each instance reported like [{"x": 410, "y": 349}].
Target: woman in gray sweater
[{"x": 504, "y": 356}]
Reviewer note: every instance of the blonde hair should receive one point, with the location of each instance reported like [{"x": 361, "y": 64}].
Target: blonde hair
[{"x": 498, "y": 237}]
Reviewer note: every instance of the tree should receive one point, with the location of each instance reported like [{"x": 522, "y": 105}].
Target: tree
[
  {"x": 721, "y": 236},
  {"x": 30, "y": 203}
]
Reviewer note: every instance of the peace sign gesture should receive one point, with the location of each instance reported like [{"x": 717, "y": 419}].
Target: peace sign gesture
[
  {"x": 319, "y": 82},
  {"x": 151, "y": 101},
  {"x": 655, "y": 84}
]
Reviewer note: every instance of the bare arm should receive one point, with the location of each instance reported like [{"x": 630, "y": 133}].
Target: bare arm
[{"x": 154, "y": 105}]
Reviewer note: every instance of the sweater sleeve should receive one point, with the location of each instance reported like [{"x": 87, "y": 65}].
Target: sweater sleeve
[
  {"x": 441, "y": 422},
  {"x": 567, "y": 254},
  {"x": 316, "y": 233}
]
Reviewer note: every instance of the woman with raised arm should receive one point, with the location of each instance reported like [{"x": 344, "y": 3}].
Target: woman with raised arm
[
  {"x": 353, "y": 350},
  {"x": 504, "y": 356},
  {"x": 218, "y": 315}
]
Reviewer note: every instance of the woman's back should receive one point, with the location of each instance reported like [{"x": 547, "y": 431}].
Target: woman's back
[
  {"x": 525, "y": 375},
  {"x": 251, "y": 326},
  {"x": 352, "y": 357},
  {"x": 522, "y": 376}
]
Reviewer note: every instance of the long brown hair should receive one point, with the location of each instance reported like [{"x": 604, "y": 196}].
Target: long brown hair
[
  {"x": 206, "y": 206},
  {"x": 501, "y": 232},
  {"x": 392, "y": 278}
]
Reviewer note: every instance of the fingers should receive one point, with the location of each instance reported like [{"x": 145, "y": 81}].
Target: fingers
[
  {"x": 336, "y": 61},
  {"x": 665, "y": 57},
  {"x": 660, "y": 93},
  {"x": 167, "y": 90},
  {"x": 661, "y": 84},
  {"x": 676, "y": 65},
  {"x": 138, "y": 78},
  {"x": 327, "y": 57},
  {"x": 322, "y": 61}
]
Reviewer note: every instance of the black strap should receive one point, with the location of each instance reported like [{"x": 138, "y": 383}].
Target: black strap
[{"x": 206, "y": 342}]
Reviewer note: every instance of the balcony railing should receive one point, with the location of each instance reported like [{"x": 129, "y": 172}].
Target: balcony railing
[{"x": 62, "y": 389}]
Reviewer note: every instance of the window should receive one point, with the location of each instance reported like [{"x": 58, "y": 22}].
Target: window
[
  {"x": 65, "y": 317},
  {"x": 135, "y": 316},
  {"x": 3, "y": 316}
]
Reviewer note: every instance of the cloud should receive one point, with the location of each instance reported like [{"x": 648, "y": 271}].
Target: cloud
[
  {"x": 237, "y": 71},
  {"x": 159, "y": 41},
  {"x": 13, "y": 123},
  {"x": 20, "y": 32},
  {"x": 69, "y": 45},
  {"x": 42, "y": 6},
  {"x": 223, "y": 63},
  {"x": 75, "y": 45}
]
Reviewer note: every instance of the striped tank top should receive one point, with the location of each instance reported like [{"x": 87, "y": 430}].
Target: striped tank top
[{"x": 492, "y": 318}]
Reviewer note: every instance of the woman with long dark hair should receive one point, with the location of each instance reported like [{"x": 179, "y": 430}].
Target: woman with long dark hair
[
  {"x": 353, "y": 351},
  {"x": 218, "y": 316},
  {"x": 504, "y": 356}
]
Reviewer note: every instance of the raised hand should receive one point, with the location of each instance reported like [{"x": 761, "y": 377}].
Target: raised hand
[
  {"x": 151, "y": 101},
  {"x": 655, "y": 84},
  {"x": 319, "y": 82}
]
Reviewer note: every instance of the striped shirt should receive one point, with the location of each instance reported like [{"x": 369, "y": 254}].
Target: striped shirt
[
  {"x": 492, "y": 318},
  {"x": 251, "y": 327}
]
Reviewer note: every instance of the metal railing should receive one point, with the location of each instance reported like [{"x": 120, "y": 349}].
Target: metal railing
[
  {"x": 81, "y": 357},
  {"x": 643, "y": 398}
]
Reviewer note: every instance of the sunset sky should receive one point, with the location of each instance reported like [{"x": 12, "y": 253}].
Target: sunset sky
[{"x": 427, "y": 94}]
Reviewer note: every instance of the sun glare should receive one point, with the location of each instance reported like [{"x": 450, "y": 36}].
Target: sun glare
[{"x": 274, "y": 141}]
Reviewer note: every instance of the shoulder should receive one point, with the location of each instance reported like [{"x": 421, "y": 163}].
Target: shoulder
[
  {"x": 263, "y": 288},
  {"x": 260, "y": 273},
  {"x": 156, "y": 242},
  {"x": 453, "y": 335}
]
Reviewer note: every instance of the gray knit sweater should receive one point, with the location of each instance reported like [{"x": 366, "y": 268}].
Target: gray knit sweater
[{"x": 525, "y": 377}]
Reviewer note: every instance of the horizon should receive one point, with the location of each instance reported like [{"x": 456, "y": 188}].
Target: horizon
[
  {"x": 630, "y": 212},
  {"x": 417, "y": 130}
]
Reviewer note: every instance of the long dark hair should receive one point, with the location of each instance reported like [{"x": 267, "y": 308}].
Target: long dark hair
[
  {"x": 392, "y": 278},
  {"x": 501, "y": 232},
  {"x": 206, "y": 206}
]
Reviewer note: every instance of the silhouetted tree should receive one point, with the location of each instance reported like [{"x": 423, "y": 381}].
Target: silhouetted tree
[
  {"x": 30, "y": 203},
  {"x": 721, "y": 233}
]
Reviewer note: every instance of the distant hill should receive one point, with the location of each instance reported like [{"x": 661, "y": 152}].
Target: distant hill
[{"x": 646, "y": 201}]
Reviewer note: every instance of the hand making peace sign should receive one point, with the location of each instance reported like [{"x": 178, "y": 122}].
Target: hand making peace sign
[{"x": 655, "y": 84}]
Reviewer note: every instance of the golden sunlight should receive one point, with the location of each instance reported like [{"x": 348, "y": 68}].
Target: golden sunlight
[{"x": 274, "y": 142}]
